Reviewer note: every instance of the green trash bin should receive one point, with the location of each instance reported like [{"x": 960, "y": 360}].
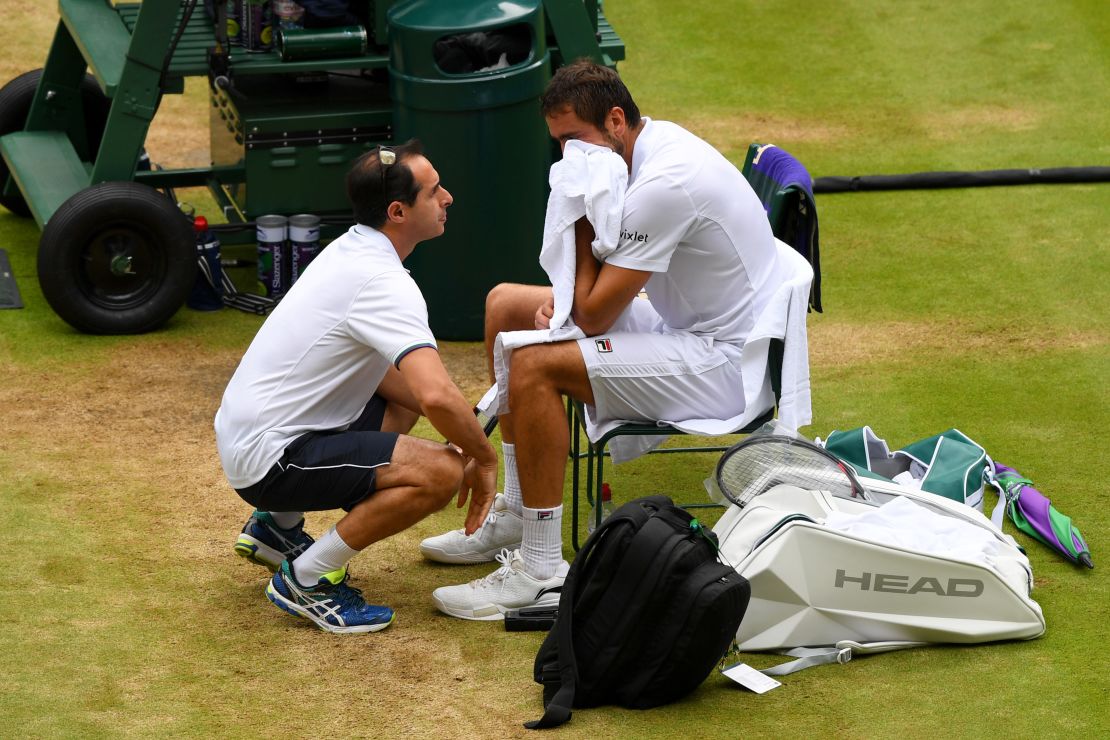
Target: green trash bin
[{"x": 466, "y": 81}]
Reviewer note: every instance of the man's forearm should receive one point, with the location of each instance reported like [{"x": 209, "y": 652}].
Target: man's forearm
[
  {"x": 586, "y": 266},
  {"x": 601, "y": 292},
  {"x": 454, "y": 419}
]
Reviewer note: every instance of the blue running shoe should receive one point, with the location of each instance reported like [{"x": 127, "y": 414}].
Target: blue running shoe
[
  {"x": 331, "y": 603},
  {"x": 264, "y": 542}
]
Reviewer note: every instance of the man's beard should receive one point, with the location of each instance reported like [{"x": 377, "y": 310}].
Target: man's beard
[{"x": 614, "y": 143}]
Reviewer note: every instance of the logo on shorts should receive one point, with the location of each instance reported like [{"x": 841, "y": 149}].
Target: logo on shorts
[
  {"x": 603, "y": 345},
  {"x": 544, "y": 515}
]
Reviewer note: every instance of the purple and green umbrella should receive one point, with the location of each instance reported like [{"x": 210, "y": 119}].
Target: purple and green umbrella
[{"x": 1035, "y": 515}]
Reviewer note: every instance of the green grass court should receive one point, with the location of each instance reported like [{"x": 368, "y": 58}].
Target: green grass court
[{"x": 125, "y": 613}]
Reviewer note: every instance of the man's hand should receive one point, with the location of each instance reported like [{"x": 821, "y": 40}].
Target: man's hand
[
  {"x": 480, "y": 486},
  {"x": 544, "y": 313}
]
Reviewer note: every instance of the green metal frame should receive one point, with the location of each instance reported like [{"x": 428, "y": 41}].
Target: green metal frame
[{"x": 49, "y": 160}]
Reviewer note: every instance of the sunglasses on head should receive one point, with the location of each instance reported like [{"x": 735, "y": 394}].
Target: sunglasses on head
[{"x": 386, "y": 158}]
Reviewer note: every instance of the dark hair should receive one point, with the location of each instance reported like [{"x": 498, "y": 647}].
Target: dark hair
[
  {"x": 591, "y": 91},
  {"x": 371, "y": 190}
]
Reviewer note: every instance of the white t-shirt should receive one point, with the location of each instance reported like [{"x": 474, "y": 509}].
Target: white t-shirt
[
  {"x": 691, "y": 218},
  {"x": 322, "y": 353}
]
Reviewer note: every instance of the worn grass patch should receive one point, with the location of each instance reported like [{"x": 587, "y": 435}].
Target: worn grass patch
[{"x": 124, "y": 612}]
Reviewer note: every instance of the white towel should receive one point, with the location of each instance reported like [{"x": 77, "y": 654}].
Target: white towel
[
  {"x": 905, "y": 524},
  {"x": 784, "y": 317},
  {"x": 588, "y": 181}
]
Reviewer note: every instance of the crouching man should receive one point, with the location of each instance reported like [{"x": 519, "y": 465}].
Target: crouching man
[{"x": 316, "y": 415}]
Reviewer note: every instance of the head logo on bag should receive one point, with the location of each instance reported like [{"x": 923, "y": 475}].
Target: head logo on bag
[{"x": 894, "y": 584}]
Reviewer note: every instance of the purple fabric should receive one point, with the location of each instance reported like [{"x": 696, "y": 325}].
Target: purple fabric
[
  {"x": 1037, "y": 510},
  {"x": 774, "y": 170},
  {"x": 782, "y": 168}
]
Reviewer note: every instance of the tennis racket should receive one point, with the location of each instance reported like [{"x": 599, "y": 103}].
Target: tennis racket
[
  {"x": 489, "y": 423},
  {"x": 756, "y": 464}
]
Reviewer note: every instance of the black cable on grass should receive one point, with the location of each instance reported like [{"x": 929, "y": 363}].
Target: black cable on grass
[{"x": 982, "y": 178}]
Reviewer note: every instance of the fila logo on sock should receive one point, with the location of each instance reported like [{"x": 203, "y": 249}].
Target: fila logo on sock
[
  {"x": 603, "y": 345},
  {"x": 541, "y": 515}
]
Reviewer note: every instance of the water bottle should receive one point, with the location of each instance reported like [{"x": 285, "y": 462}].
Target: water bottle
[
  {"x": 207, "y": 292},
  {"x": 606, "y": 508}
]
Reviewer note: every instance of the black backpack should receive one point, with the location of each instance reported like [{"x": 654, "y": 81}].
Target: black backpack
[{"x": 645, "y": 614}]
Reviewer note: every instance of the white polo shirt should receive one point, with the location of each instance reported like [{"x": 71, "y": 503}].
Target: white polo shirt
[
  {"x": 322, "y": 353},
  {"x": 691, "y": 218}
]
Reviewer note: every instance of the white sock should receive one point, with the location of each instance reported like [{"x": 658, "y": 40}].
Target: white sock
[
  {"x": 513, "y": 499},
  {"x": 328, "y": 553},
  {"x": 287, "y": 519},
  {"x": 542, "y": 546}
]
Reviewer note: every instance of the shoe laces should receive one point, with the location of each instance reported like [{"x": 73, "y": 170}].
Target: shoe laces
[
  {"x": 505, "y": 557},
  {"x": 347, "y": 596}
]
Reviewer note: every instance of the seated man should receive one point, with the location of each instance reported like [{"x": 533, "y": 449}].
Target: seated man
[
  {"x": 695, "y": 237},
  {"x": 314, "y": 417}
]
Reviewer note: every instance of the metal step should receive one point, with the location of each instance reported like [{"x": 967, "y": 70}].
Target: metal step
[
  {"x": 46, "y": 168},
  {"x": 101, "y": 36}
]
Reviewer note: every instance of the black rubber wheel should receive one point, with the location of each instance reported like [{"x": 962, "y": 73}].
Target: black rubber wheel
[
  {"x": 117, "y": 258},
  {"x": 15, "y": 104}
]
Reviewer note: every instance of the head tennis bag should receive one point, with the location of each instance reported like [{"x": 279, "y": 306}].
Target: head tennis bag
[
  {"x": 645, "y": 614},
  {"x": 845, "y": 576}
]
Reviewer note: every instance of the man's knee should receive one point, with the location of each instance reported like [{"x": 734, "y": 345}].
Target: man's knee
[
  {"x": 434, "y": 470},
  {"x": 530, "y": 364},
  {"x": 448, "y": 475},
  {"x": 497, "y": 297},
  {"x": 559, "y": 366},
  {"x": 513, "y": 306}
]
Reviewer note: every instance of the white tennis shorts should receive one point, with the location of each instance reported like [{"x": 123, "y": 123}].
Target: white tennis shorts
[{"x": 639, "y": 373}]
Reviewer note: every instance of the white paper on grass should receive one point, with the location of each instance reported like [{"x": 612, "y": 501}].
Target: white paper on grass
[{"x": 750, "y": 678}]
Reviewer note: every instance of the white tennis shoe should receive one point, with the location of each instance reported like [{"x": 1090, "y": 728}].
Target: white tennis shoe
[
  {"x": 502, "y": 530},
  {"x": 509, "y": 587}
]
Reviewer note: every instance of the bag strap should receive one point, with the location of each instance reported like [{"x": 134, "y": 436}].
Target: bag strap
[
  {"x": 558, "y": 709},
  {"x": 841, "y": 652},
  {"x": 249, "y": 302}
]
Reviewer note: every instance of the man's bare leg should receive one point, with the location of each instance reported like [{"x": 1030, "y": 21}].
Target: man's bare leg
[
  {"x": 421, "y": 477},
  {"x": 541, "y": 376},
  {"x": 511, "y": 307}
]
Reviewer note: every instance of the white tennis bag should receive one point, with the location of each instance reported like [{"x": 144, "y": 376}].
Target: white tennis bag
[{"x": 833, "y": 576}]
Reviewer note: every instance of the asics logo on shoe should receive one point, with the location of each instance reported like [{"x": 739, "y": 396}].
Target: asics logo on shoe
[
  {"x": 334, "y": 608},
  {"x": 292, "y": 547}
]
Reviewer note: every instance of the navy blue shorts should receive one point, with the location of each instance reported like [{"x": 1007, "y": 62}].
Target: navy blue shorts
[{"x": 321, "y": 471}]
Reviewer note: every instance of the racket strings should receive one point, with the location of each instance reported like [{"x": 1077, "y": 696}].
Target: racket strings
[{"x": 751, "y": 470}]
